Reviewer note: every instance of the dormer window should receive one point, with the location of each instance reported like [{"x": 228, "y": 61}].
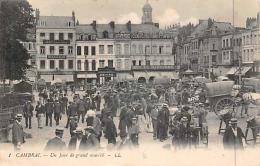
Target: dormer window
[{"x": 105, "y": 34}]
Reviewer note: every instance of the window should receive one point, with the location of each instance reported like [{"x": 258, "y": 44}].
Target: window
[
  {"x": 101, "y": 63},
  {"x": 134, "y": 49},
  {"x": 78, "y": 50},
  {"x": 93, "y": 51},
  {"x": 70, "y": 50},
  {"x": 118, "y": 49},
  {"x": 70, "y": 64},
  {"x": 105, "y": 34},
  {"x": 52, "y": 49},
  {"x": 140, "y": 63},
  {"x": 213, "y": 46},
  {"x": 42, "y": 50},
  {"x": 110, "y": 49},
  {"x": 61, "y": 36},
  {"x": 29, "y": 46},
  {"x": 52, "y": 36},
  {"x": 93, "y": 65},
  {"x": 110, "y": 63},
  {"x": 161, "y": 62},
  {"x": 134, "y": 62},
  {"x": 61, "y": 64},
  {"x": 101, "y": 49},
  {"x": 147, "y": 50},
  {"x": 42, "y": 35},
  {"x": 154, "y": 49},
  {"x": 42, "y": 64},
  {"x": 61, "y": 49},
  {"x": 33, "y": 62},
  {"x": 118, "y": 63},
  {"x": 126, "y": 49},
  {"x": 52, "y": 64},
  {"x": 140, "y": 48},
  {"x": 70, "y": 36},
  {"x": 79, "y": 65},
  {"x": 147, "y": 63},
  {"x": 85, "y": 50},
  {"x": 160, "y": 49},
  {"x": 86, "y": 66}
]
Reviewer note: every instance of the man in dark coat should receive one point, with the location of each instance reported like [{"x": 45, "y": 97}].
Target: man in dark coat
[
  {"x": 71, "y": 112},
  {"x": 233, "y": 136},
  {"x": 73, "y": 125},
  {"x": 57, "y": 112},
  {"x": 123, "y": 120},
  {"x": 17, "y": 132},
  {"x": 28, "y": 113},
  {"x": 163, "y": 122},
  {"x": 89, "y": 140},
  {"x": 81, "y": 110},
  {"x": 98, "y": 100},
  {"x": 76, "y": 141},
  {"x": 110, "y": 129},
  {"x": 49, "y": 112},
  {"x": 56, "y": 143}
]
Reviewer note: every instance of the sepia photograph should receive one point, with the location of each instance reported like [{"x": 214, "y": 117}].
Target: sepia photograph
[{"x": 130, "y": 82}]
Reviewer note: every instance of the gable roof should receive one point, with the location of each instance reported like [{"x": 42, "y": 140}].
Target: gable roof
[{"x": 55, "y": 22}]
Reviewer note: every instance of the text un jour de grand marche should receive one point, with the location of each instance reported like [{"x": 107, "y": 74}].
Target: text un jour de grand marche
[{"x": 64, "y": 155}]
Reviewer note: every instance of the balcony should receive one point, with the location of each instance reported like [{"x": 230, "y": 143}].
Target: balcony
[
  {"x": 56, "y": 41},
  {"x": 154, "y": 68}
]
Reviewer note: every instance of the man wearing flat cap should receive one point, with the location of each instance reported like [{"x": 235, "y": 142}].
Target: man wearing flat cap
[
  {"x": 76, "y": 141},
  {"x": 233, "y": 136},
  {"x": 56, "y": 143},
  {"x": 17, "y": 132}
]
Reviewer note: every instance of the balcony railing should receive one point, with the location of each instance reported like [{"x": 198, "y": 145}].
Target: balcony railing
[
  {"x": 56, "y": 41},
  {"x": 155, "y": 68}
]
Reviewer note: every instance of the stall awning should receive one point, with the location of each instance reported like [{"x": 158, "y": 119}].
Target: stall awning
[
  {"x": 91, "y": 75},
  {"x": 81, "y": 75},
  {"x": 231, "y": 71}
]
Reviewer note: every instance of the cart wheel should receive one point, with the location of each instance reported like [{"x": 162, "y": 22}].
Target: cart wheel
[{"x": 224, "y": 104}]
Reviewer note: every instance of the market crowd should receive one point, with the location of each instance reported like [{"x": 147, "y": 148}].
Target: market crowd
[{"x": 175, "y": 111}]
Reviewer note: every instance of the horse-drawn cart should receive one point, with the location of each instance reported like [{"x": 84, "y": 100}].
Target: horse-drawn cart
[{"x": 219, "y": 96}]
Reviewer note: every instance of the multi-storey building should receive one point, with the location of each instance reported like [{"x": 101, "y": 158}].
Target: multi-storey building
[{"x": 55, "y": 46}]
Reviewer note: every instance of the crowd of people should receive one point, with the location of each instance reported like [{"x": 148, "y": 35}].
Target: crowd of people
[{"x": 166, "y": 111}]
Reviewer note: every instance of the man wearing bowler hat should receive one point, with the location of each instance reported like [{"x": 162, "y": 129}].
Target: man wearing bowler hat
[
  {"x": 17, "y": 132},
  {"x": 233, "y": 136},
  {"x": 56, "y": 143}
]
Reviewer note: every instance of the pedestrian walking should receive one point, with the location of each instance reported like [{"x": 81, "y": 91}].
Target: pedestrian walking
[
  {"x": 75, "y": 142},
  {"x": 233, "y": 136},
  {"x": 89, "y": 140},
  {"x": 28, "y": 113},
  {"x": 49, "y": 112},
  {"x": 110, "y": 129},
  {"x": 57, "y": 112},
  {"x": 134, "y": 131},
  {"x": 40, "y": 111},
  {"x": 18, "y": 133},
  {"x": 163, "y": 122}
]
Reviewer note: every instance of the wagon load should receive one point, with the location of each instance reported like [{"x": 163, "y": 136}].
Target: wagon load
[{"x": 221, "y": 88}]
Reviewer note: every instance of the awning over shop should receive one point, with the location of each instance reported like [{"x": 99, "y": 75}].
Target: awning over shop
[
  {"x": 244, "y": 70},
  {"x": 65, "y": 78},
  {"x": 91, "y": 76},
  {"x": 81, "y": 75},
  {"x": 232, "y": 71}
]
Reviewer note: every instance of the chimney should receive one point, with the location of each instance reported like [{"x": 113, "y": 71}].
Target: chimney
[
  {"x": 73, "y": 17},
  {"x": 112, "y": 24},
  {"x": 157, "y": 25},
  {"x": 94, "y": 25},
  {"x": 129, "y": 26},
  {"x": 37, "y": 14}
]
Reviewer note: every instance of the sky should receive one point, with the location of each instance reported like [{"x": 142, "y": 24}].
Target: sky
[{"x": 165, "y": 12}]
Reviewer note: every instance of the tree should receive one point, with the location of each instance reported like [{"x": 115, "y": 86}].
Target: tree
[{"x": 16, "y": 18}]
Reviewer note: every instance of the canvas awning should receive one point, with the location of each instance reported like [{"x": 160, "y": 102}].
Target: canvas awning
[
  {"x": 65, "y": 78},
  {"x": 232, "y": 71},
  {"x": 244, "y": 70}
]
